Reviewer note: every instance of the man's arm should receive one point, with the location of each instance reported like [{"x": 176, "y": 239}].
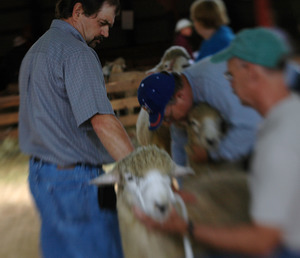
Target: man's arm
[
  {"x": 113, "y": 136},
  {"x": 244, "y": 239}
]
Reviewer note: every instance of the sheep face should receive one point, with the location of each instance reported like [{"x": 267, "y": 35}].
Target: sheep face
[
  {"x": 152, "y": 193},
  {"x": 206, "y": 133},
  {"x": 175, "y": 59},
  {"x": 144, "y": 180},
  {"x": 206, "y": 127},
  {"x": 174, "y": 65}
]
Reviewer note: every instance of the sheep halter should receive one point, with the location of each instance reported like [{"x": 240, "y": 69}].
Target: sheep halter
[{"x": 175, "y": 199}]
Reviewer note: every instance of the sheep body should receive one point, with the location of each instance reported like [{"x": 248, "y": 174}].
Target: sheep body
[
  {"x": 221, "y": 199},
  {"x": 116, "y": 66},
  {"x": 161, "y": 137},
  {"x": 175, "y": 59}
]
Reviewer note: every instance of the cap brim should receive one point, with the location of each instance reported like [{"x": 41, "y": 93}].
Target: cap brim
[
  {"x": 222, "y": 56},
  {"x": 155, "y": 120}
]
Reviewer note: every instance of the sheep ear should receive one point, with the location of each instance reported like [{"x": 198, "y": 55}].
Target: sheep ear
[
  {"x": 109, "y": 178},
  {"x": 182, "y": 171},
  {"x": 151, "y": 71}
]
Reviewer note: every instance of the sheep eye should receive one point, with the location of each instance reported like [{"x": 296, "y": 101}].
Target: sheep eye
[
  {"x": 193, "y": 123},
  {"x": 185, "y": 66},
  {"x": 129, "y": 177}
]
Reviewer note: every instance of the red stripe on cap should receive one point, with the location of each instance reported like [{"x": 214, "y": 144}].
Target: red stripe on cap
[{"x": 157, "y": 121}]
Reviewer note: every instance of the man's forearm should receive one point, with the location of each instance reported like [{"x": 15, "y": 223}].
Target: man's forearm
[{"x": 113, "y": 136}]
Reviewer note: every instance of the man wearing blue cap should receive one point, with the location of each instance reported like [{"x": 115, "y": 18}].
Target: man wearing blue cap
[
  {"x": 256, "y": 71},
  {"x": 170, "y": 97}
]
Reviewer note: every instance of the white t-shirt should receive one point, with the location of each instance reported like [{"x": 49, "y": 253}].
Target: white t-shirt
[{"x": 275, "y": 178}]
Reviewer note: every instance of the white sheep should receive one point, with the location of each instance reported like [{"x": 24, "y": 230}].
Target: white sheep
[
  {"x": 206, "y": 128},
  {"x": 116, "y": 66},
  {"x": 161, "y": 137},
  {"x": 175, "y": 59},
  {"x": 144, "y": 180}
]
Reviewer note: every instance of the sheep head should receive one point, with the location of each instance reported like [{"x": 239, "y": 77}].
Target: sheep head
[
  {"x": 144, "y": 180},
  {"x": 116, "y": 66},
  {"x": 206, "y": 127},
  {"x": 175, "y": 59}
]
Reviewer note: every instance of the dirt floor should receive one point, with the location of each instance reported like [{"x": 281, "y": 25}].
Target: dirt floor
[{"x": 19, "y": 220}]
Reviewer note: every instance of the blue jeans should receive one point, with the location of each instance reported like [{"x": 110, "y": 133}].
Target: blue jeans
[{"x": 72, "y": 224}]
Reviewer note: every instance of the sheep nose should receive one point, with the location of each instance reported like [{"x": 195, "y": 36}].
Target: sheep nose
[
  {"x": 161, "y": 207},
  {"x": 211, "y": 142}
]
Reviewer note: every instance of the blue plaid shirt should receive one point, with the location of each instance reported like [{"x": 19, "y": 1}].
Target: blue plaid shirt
[{"x": 61, "y": 88}]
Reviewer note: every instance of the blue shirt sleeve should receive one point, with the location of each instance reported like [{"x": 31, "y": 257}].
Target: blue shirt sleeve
[
  {"x": 85, "y": 86},
  {"x": 178, "y": 143}
]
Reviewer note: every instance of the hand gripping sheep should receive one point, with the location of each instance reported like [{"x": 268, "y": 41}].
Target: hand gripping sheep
[{"x": 144, "y": 180}]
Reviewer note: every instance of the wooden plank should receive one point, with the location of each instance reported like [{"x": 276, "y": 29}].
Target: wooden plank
[
  {"x": 9, "y": 101},
  {"x": 10, "y": 132},
  {"x": 130, "y": 102},
  {"x": 128, "y": 120},
  {"x": 9, "y": 118},
  {"x": 122, "y": 86}
]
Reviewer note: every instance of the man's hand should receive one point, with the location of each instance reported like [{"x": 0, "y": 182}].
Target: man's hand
[
  {"x": 173, "y": 224},
  {"x": 199, "y": 154}
]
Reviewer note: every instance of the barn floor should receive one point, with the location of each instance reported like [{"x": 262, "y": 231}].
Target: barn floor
[{"x": 19, "y": 220}]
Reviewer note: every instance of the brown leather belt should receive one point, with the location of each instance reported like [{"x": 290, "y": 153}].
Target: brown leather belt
[{"x": 71, "y": 166}]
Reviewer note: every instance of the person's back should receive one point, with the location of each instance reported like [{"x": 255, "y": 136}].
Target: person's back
[
  {"x": 42, "y": 78},
  {"x": 276, "y": 167},
  {"x": 211, "y": 22}
]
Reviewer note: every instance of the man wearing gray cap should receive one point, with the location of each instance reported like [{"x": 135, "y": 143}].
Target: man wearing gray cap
[{"x": 256, "y": 72}]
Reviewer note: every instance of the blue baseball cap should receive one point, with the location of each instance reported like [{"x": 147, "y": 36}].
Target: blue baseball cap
[{"x": 154, "y": 93}]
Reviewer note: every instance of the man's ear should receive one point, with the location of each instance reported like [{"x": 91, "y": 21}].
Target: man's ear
[
  {"x": 178, "y": 95},
  {"x": 77, "y": 11}
]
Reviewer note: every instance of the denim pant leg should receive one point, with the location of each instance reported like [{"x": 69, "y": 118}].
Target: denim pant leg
[{"x": 72, "y": 224}]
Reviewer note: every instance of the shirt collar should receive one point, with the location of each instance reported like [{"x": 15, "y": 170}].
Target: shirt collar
[{"x": 68, "y": 28}]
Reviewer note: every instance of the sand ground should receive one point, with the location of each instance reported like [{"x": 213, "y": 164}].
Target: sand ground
[{"x": 19, "y": 220}]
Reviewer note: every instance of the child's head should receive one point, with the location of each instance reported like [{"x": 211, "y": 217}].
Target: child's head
[{"x": 184, "y": 27}]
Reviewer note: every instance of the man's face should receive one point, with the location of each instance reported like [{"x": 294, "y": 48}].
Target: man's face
[
  {"x": 95, "y": 27},
  {"x": 237, "y": 75},
  {"x": 199, "y": 28},
  {"x": 176, "y": 111}
]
